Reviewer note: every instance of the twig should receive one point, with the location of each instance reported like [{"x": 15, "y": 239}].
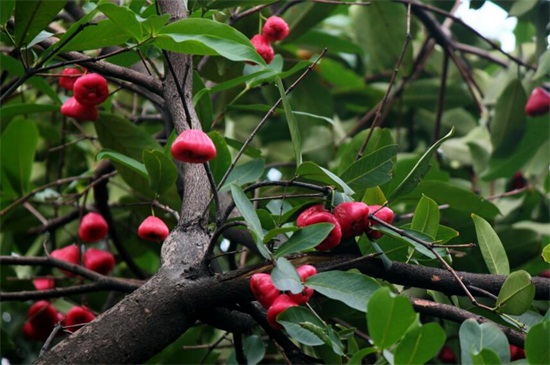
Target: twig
[{"x": 441, "y": 97}]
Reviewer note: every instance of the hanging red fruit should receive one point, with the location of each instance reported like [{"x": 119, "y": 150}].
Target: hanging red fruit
[
  {"x": 70, "y": 254},
  {"x": 263, "y": 289},
  {"x": 351, "y": 216},
  {"x": 309, "y": 218},
  {"x": 99, "y": 261},
  {"x": 383, "y": 213},
  {"x": 282, "y": 303},
  {"x": 538, "y": 103},
  {"x": 73, "y": 109},
  {"x": 93, "y": 227},
  {"x": 91, "y": 89},
  {"x": 193, "y": 146},
  {"x": 78, "y": 316},
  {"x": 275, "y": 29},
  {"x": 263, "y": 47},
  {"x": 68, "y": 78},
  {"x": 153, "y": 229}
]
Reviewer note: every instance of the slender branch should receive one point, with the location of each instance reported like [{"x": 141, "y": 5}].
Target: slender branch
[{"x": 441, "y": 97}]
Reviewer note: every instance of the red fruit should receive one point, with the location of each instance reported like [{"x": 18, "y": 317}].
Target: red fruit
[
  {"x": 70, "y": 75},
  {"x": 70, "y": 254},
  {"x": 34, "y": 333},
  {"x": 447, "y": 355},
  {"x": 383, "y": 213},
  {"x": 280, "y": 304},
  {"x": 309, "y": 211},
  {"x": 263, "y": 289},
  {"x": 538, "y": 103},
  {"x": 275, "y": 29},
  {"x": 44, "y": 283},
  {"x": 518, "y": 181},
  {"x": 153, "y": 229},
  {"x": 91, "y": 89},
  {"x": 545, "y": 274},
  {"x": 193, "y": 146},
  {"x": 73, "y": 109},
  {"x": 263, "y": 47},
  {"x": 93, "y": 227},
  {"x": 99, "y": 261},
  {"x": 333, "y": 238},
  {"x": 305, "y": 271},
  {"x": 352, "y": 217},
  {"x": 516, "y": 353},
  {"x": 78, "y": 316},
  {"x": 42, "y": 315}
]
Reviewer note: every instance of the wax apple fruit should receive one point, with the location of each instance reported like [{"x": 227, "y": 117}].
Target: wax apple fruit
[
  {"x": 193, "y": 146},
  {"x": 69, "y": 77},
  {"x": 300, "y": 221},
  {"x": 263, "y": 47},
  {"x": 43, "y": 283},
  {"x": 275, "y": 29},
  {"x": 99, "y": 261},
  {"x": 305, "y": 271},
  {"x": 383, "y": 213},
  {"x": 78, "y": 316},
  {"x": 263, "y": 289},
  {"x": 282, "y": 303},
  {"x": 333, "y": 238},
  {"x": 351, "y": 216},
  {"x": 447, "y": 356},
  {"x": 93, "y": 227},
  {"x": 70, "y": 254},
  {"x": 91, "y": 89},
  {"x": 538, "y": 103},
  {"x": 153, "y": 229},
  {"x": 41, "y": 318},
  {"x": 73, "y": 109}
]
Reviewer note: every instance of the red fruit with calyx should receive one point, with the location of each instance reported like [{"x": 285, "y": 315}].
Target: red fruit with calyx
[
  {"x": 73, "y": 109},
  {"x": 41, "y": 318},
  {"x": 333, "y": 238},
  {"x": 70, "y": 254},
  {"x": 263, "y": 289},
  {"x": 305, "y": 271},
  {"x": 93, "y": 227},
  {"x": 193, "y": 146},
  {"x": 516, "y": 353},
  {"x": 282, "y": 303},
  {"x": 447, "y": 356},
  {"x": 352, "y": 217},
  {"x": 43, "y": 283},
  {"x": 275, "y": 29},
  {"x": 300, "y": 221},
  {"x": 383, "y": 213},
  {"x": 68, "y": 78},
  {"x": 91, "y": 89},
  {"x": 77, "y": 317},
  {"x": 263, "y": 47},
  {"x": 538, "y": 103},
  {"x": 99, "y": 261},
  {"x": 153, "y": 229}
]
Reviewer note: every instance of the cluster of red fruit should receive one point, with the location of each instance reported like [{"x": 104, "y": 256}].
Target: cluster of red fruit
[
  {"x": 349, "y": 219},
  {"x": 538, "y": 103},
  {"x": 89, "y": 90},
  {"x": 274, "y": 29},
  {"x": 42, "y": 317},
  {"x": 276, "y": 301}
]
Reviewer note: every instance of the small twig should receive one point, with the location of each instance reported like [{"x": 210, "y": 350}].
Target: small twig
[
  {"x": 465, "y": 245},
  {"x": 441, "y": 97},
  {"x": 49, "y": 341},
  {"x": 214, "y": 192}
]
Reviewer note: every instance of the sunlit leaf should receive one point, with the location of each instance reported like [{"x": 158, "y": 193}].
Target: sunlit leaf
[{"x": 491, "y": 247}]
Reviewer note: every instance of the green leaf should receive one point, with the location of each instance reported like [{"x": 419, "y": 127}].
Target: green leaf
[
  {"x": 546, "y": 253},
  {"x": 543, "y": 68},
  {"x": 247, "y": 210},
  {"x": 314, "y": 172},
  {"x": 206, "y": 37},
  {"x": 516, "y": 294},
  {"x": 33, "y": 16},
  {"x": 380, "y": 137},
  {"x": 248, "y": 172},
  {"x": 102, "y": 34},
  {"x": 293, "y": 317},
  {"x": 357, "y": 357},
  {"x": 305, "y": 238},
  {"x": 475, "y": 337},
  {"x": 519, "y": 8},
  {"x": 6, "y": 10},
  {"x": 491, "y": 247},
  {"x": 374, "y": 196},
  {"x": 383, "y": 310},
  {"x": 426, "y": 217},
  {"x": 420, "y": 344},
  {"x": 123, "y": 160},
  {"x": 11, "y": 110},
  {"x": 292, "y": 123},
  {"x": 352, "y": 288},
  {"x": 161, "y": 170},
  {"x": 285, "y": 276},
  {"x": 17, "y": 149},
  {"x": 411, "y": 242},
  {"x": 123, "y": 17},
  {"x": 254, "y": 349},
  {"x": 371, "y": 170},
  {"x": 536, "y": 343},
  {"x": 303, "y": 17},
  {"x": 508, "y": 124},
  {"x": 485, "y": 357},
  {"x": 419, "y": 170},
  {"x": 221, "y": 163}
]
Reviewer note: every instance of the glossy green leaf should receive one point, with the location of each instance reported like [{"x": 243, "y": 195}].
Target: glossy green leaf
[
  {"x": 203, "y": 104},
  {"x": 519, "y": 8},
  {"x": 536, "y": 343},
  {"x": 314, "y": 172},
  {"x": 419, "y": 170},
  {"x": 352, "y": 288},
  {"x": 516, "y": 294},
  {"x": 303, "y": 17},
  {"x": 546, "y": 253},
  {"x": 485, "y": 357},
  {"x": 508, "y": 124},
  {"x": 198, "y": 36},
  {"x": 33, "y": 16},
  {"x": 18, "y": 145},
  {"x": 102, "y": 34},
  {"x": 371, "y": 170},
  {"x": 123, "y": 160},
  {"x": 426, "y": 217},
  {"x": 543, "y": 68},
  {"x": 248, "y": 172},
  {"x": 221, "y": 163},
  {"x": 293, "y": 317},
  {"x": 162, "y": 171},
  {"x": 412, "y": 242},
  {"x": 292, "y": 123},
  {"x": 285, "y": 276},
  {"x": 123, "y": 17},
  {"x": 247, "y": 210},
  {"x": 374, "y": 196},
  {"x": 11, "y": 110},
  {"x": 475, "y": 337},
  {"x": 491, "y": 247},
  {"x": 445, "y": 234},
  {"x": 383, "y": 310},
  {"x": 304, "y": 239},
  {"x": 357, "y": 357},
  {"x": 420, "y": 344},
  {"x": 254, "y": 349},
  {"x": 6, "y": 11}
]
